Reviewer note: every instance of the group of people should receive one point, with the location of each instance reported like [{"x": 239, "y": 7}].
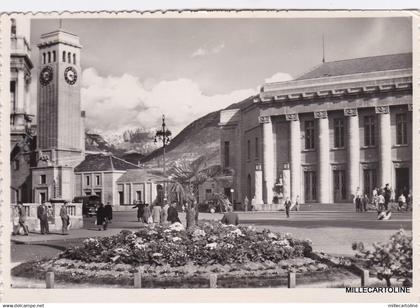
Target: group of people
[
  {"x": 157, "y": 214},
  {"x": 103, "y": 216}
]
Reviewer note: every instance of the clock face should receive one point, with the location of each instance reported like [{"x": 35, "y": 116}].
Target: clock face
[
  {"x": 46, "y": 75},
  {"x": 70, "y": 75}
]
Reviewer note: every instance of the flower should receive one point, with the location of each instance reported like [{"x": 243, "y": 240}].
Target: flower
[
  {"x": 176, "y": 226},
  {"x": 157, "y": 255},
  {"x": 211, "y": 245},
  {"x": 176, "y": 238},
  {"x": 199, "y": 232},
  {"x": 272, "y": 235},
  {"x": 237, "y": 232}
]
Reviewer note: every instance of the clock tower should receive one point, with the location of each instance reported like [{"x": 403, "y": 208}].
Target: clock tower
[{"x": 60, "y": 139}]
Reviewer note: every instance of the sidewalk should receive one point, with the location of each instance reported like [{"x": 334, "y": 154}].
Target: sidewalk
[{"x": 37, "y": 238}]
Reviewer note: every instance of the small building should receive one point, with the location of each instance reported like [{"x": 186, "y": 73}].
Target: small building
[{"x": 98, "y": 174}]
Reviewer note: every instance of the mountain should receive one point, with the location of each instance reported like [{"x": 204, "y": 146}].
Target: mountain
[{"x": 201, "y": 137}]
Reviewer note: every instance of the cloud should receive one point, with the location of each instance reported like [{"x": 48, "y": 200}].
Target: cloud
[
  {"x": 208, "y": 51},
  {"x": 278, "y": 77},
  {"x": 114, "y": 104}
]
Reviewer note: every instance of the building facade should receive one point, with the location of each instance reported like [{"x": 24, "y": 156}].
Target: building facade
[{"x": 343, "y": 125}]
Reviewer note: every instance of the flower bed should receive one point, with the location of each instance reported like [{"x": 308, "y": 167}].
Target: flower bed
[{"x": 174, "y": 257}]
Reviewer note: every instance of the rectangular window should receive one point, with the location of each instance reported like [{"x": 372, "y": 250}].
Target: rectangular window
[
  {"x": 98, "y": 180},
  {"x": 249, "y": 149},
  {"x": 87, "y": 180},
  {"x": 369, "y": 123},
  {"x": 42, "y": 197},
  {"x": 257, "y": 152},
  {"x": 402, "y": 137},
  {"x": 43, "y": 179},
  {"x": 138, "y": 194},
  {"x": 338, "y": 133},
  {"x": 310, "y": 185},
  {"x": 227, "y": 153},
  {"x": 121, "y": 195},
  {"x": 12, "y": 96},
  {"x": 309, "y": 135}
]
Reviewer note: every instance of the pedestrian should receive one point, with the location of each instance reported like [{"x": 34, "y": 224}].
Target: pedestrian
[
  {"x": 146, "y": 214},
  {"x": 140, "y": 209},
  {"x": 101, "y": 218},
  {"x": 65, "y": 218},
  {"x": 402, "y": 202},
  {"x": 297, "y": 203},
  {"x": 230, "y": 218},
  {"x": 387, "y": 196},
  {"x": 156, "y": 213},
  {"x": 375, "y": 198},
  {"x": 287, "y": 205},
  {"x": 164, "y": 213},
  {"x": 365, "y": 202},
  {"x": 42, "y": 214},
  {"x": 22, "y": 218},
  {"x": 409, "y": 200},
  {"x": 173, "y": 214},
  {"x": 381, "y": 203},
  {"x": 253, "y": 204},
  {"x": 358, "y": 200},
  {"x": 108, "y": 212},
  {"x": 246, "y": 204}
]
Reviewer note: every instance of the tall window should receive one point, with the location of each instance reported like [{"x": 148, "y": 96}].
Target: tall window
[
  {"x": 44, "y": 58},
  {"x": 64, "y": 56},
  {"x": 43, "y": 179},
  {"x": 74, "y": 58},
  {"x": 87, "y": 180},
  {"x": 309, "y": 135},
  {"x": 69, "y": 57},
  {"x": 402, "y": 128},
  {"x": 13, "y": 26},
  {"x": 369, "y": 123},
  {"x": 249, "y": 149},
  {"x": 12, "y": 95},
  {"x": 338, "y": 133},
  {"x": 49, "y": 57},
  {"x": 257, "y": 152},
  {"x": 54, "y": 56},
  {"x": 227, "y": 153},
  {"x": 98, "y": 180}
]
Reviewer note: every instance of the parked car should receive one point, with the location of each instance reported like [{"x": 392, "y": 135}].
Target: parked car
[{"x": 89, "y": 204}]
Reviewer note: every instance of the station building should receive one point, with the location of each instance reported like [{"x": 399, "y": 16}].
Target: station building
[{"x": 342, "y": 125}]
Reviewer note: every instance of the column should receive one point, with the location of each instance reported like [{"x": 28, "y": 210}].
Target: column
[
  {"x": 323, "y": 157},
  {"x": 258, "y": 186},
  {"x": 294, "y": 156},
  {"x": 353, "y": 151},
  {"x": 385, "y": 159},
  {"x": 268, "y": 159},
  {"x": 20, "y": 87}
]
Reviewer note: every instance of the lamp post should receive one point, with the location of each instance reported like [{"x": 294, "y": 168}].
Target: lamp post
[{"x": 163, "y": 135}]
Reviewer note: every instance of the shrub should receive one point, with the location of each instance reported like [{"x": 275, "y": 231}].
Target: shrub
[{"x": 392, "y": 259}]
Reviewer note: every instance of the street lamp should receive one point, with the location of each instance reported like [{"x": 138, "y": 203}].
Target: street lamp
[{"x": 163, "y": 135}]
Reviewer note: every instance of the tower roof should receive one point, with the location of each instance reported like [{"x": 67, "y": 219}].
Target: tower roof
[
  {"x": 360, "y": 65},
  {"x": 102, "y": 162},
  {"x": 59, "y": 36}
]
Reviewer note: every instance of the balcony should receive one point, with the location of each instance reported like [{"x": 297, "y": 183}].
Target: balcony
[{"x": 19, "y": 46}]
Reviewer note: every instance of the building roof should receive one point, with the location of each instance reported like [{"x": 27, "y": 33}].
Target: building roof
[
  {"x": 360, "y": 65},
  {"x": 140, "y": 175},
  {"x": 242, "y": 104},
  {"x": 103, "y": 162}
]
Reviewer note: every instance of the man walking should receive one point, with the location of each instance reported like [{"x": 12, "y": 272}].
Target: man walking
[
  {"x": 387, "y": 196},
  {"x": 42, "y": 213},
  {"x": 358, "y": 200},
  {"x": 287, "y": 205}
]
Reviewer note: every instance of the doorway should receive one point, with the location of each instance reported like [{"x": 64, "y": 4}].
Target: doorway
[
  {"x": 339, "y": 181},
  {"x": 402, "y": 181},
  {"x": 369, "y": 181},
  {"x": 310, "y": 186}
]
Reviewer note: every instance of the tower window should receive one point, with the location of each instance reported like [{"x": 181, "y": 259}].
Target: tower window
[
  {"x": 227, "y": 154},
  {"x": 69, "y": 57},
  {"x": 42, "y": 179},
  {"x": 44, "y": 57},
  {"x": 74, "y": 58},
  {"x": 49, "y": 57},
  {"x": 54, "y": 56},
  {"x": 13, "y": 28},
  {"x": 257, "y": 152},
  {"x": 64, "y": 56}
]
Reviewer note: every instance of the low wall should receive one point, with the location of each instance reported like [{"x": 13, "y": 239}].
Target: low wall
[{"x": 73, "y": 209}]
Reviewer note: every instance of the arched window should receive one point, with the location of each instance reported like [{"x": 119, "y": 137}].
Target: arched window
[
  {"x": 13, "y": 27},
  {"x": 74, "y": 58},
  {"x": 54, "y": 56},
  {"x": 44, "y": 57},
  {"x": 64, "y": 56},
  {"x": 69, "y": 57},
  {"x": 49, "y": 57}
]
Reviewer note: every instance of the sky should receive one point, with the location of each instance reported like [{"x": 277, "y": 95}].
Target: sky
[{"x": 135, "y": 70}]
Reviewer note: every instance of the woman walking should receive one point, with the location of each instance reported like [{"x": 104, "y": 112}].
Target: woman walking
[
  {"x": 146, "y": 213},
  {"x": 65, "y": 218}
]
